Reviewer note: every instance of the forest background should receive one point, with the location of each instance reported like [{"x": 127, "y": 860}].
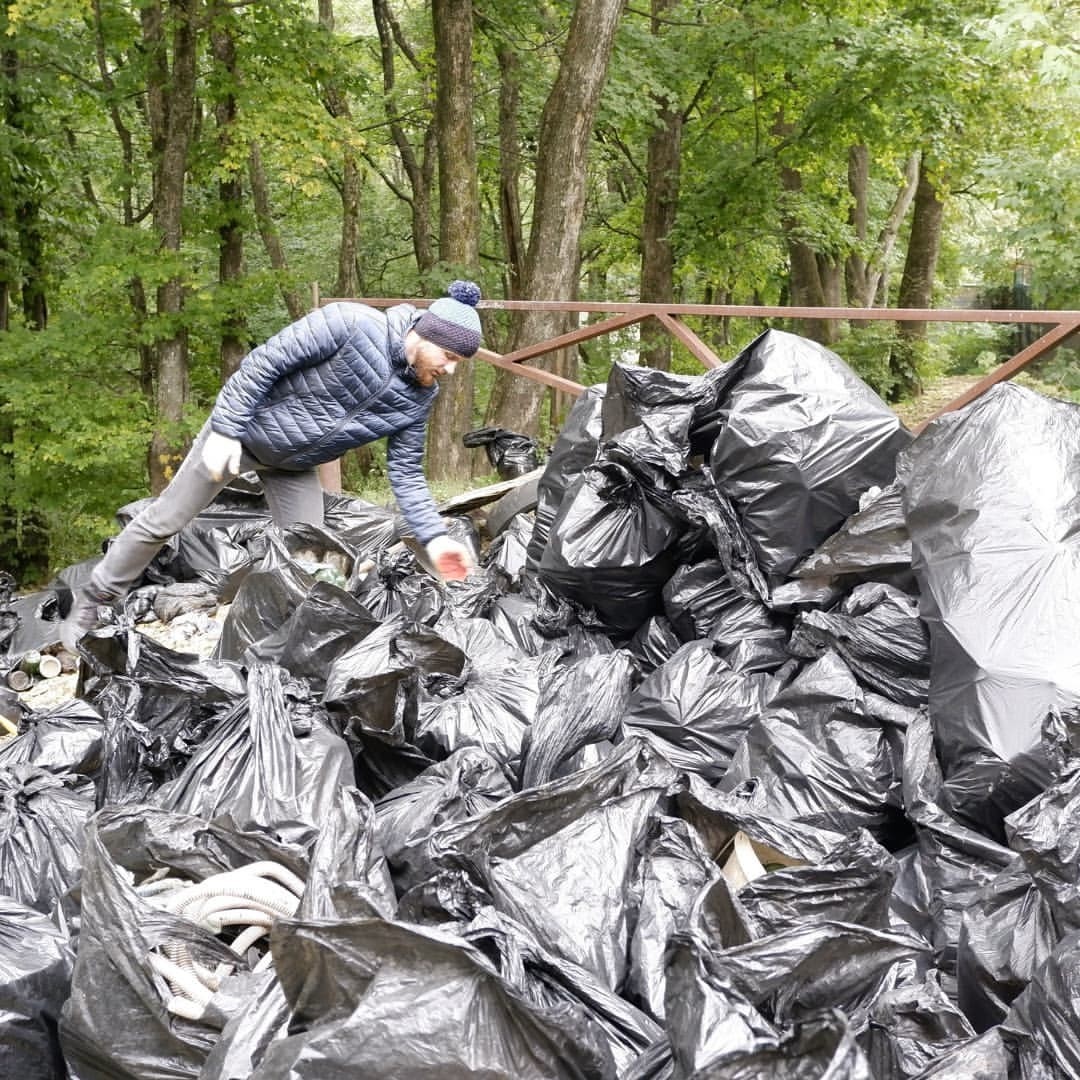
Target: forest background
[{"x": 178, "y": 176}]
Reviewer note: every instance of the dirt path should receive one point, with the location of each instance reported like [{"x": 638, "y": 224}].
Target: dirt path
[{"x": 938, "y": 393}]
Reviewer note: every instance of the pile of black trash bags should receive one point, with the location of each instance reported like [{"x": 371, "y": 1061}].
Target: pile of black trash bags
[{"x": 752, "y": 753}]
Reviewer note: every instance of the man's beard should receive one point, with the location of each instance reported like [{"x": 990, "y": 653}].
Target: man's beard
[{"x": 423, "y": 372}]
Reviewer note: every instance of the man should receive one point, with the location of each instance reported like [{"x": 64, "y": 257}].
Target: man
[{"x": 342, "y": 376}]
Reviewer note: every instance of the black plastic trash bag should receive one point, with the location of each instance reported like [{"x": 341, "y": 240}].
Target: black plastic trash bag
[
  {"x": 157, "y": 705},
  {"x": 822, "y": 756},
  {"x": 397, "y": 586},
  {"x": 116, "y": 1025},
  {"x": 468, "y": 782},
  {"x": 802, "y": 438},
  {"x": 696, "y": 710},
  {"x": 510, "y": 453},
  {"x": 877, "y": 631},
  {"x": 660, "y": 417},
  {"x": 990, "y": 501},
  {"x": 325, "y": 624},
  {"x": 795, "y": 973},
  {"x": 1007, "y": 932},
  {"x": 705, "y": 1016},
  {"x": 67, "y": 738},
  {"x": 35, "y": 979},
  {"x": 553, "y": 982},
  {"x": 612, "y": 547},
  {"x": 386, "y": 1000},
  {"x": 874, "y": 541},
  {"x": 582, "y": 702},
  {"x": 273, "y": 763},
  {"x": 294, "y": 561},
  {"x": 1046, "y": 832},
  {"x": 537, "y": 855},
  {"x": 1045, "y": 1019},
  {"x": 574, "y": 449},
  {"x": 675, "y": 869},
  {"x": 33, "y": 622},
  {"x": 701, "y": 602},
  {"x": 955, "y": 862},
  {"x": 762, "y": 890},
  {"x": 654, "y": 643},
  {"x": 985, "y": 1057},
  {"x": 43, "y": 816},
  {"x": 489, "y": 703},
  {"x": 372, "y": 691},
  {"x": 910, "y": 1027}
]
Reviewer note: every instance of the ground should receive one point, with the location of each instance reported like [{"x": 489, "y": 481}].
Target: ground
[{"x": 938, "y": 393}]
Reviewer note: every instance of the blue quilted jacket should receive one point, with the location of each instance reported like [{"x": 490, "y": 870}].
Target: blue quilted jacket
[{"x": 331, "y": 381}]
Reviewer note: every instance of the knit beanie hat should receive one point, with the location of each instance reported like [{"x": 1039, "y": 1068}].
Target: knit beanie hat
[{"x": 451, "y": 322}]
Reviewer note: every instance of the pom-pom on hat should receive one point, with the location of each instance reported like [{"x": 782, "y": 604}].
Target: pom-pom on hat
[{"x": 451, "y": 322}]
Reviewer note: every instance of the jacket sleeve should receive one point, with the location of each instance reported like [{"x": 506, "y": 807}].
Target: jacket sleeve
[
  {"x": 404, "y": 467},
  {"x": 308, "y": 341}
]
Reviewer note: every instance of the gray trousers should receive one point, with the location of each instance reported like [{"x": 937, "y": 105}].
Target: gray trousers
[{"x": 293, "y": 497}]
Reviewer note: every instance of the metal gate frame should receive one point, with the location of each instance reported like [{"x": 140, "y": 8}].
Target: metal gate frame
[{"x": 1061, "y": 326}]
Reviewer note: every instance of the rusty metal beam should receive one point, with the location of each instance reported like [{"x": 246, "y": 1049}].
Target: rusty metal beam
[
  {"x": 974, "y": 315},
  {"x": 573, "y": 337},
  {"x": 1039, "y": 347},
  {"x": 678, "y": 329},
  {"x": 536, "y": 374}
]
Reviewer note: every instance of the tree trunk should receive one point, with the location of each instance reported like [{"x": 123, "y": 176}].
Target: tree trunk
[
  {"x": 917, "y": 282},
  {"x": 806, "y": 288},
  {"x": 855, "y": 269},
  {"x": 171, "y": 112},
  {"x": 337, "y": 105},
  {"x": 260, "y": 197},
  {"x": 420, "y": 172},
  {"x": 230, "y": 191},
  {"x": 562, "y": 155},
  {"x": 661, "y": 203},
  {"x": 510, "y": 168},
  {"x": 865, "y": 267},
  {"x": 459, "y": 220}
]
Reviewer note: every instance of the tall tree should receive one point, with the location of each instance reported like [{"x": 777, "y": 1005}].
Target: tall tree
[
  {"x": 552, "y": 260},
  {"x": 459, "y": 214},
  {"x": 661, "y": 204},
  {"x": 170, "y": 40}
]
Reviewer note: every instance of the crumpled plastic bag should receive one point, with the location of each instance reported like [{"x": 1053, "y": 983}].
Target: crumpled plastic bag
[
  {"x": 35, "y": 978},
  {"x": 67, "y": 738},
  {"x": 821, "y": 754},
  {"x": 582, "y": 702},
  {"x": 910, "y": 1027},
  {"x": 510, "y": 453},
  {"x": 157, "y": 706},
  {"x": 468, "y": 782},
  {"x": 357, "y": 986},
  {"x": 489, "y": 703},
  {"x": 266, "y": 765},
  {"x": 537, "y": 856},
  {"x": 802, "y": 438},
  {"x": 877, "y": 631},
  {"x": 115, "y": 1025},
  {"x": 612, "y": 546},
  {"x": 696, "y": 710},
  {"x": 990, "y": 501},
  {"x": 574, "y": 449},
  {"x": 43, "y": 816}
]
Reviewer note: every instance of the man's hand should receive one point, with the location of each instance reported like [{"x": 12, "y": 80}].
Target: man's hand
[
  {"x": 451, "y": 559},
  {"x": 221, "y": 455}
]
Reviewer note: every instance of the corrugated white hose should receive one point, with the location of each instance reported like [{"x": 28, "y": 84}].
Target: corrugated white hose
[{"x": 252, "y": 896}]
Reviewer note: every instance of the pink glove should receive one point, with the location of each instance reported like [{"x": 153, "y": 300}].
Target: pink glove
[{"x": 451, "y": 559}]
